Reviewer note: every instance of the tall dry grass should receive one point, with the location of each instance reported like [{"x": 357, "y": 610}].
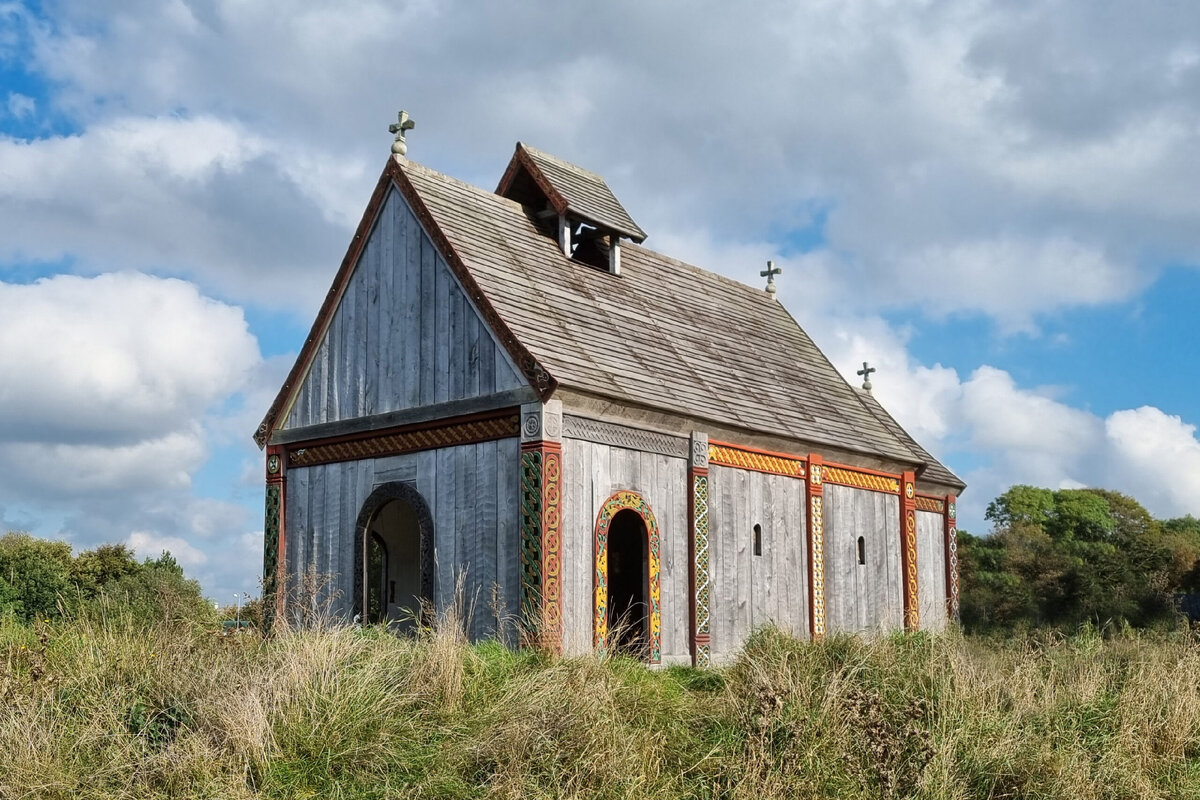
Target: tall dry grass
[{"x": 116, "y": 710}]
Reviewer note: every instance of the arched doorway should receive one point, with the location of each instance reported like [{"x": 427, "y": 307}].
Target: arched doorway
[
  {"x": 394, "y": 577},
  {"x": 627, "y": 611},
  {"x": 628, "y": 585}
]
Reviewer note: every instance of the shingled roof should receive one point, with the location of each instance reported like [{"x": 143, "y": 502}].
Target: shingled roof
[
  {"x": 933, "y": 470},
  {"x": 662, "y": 334}
]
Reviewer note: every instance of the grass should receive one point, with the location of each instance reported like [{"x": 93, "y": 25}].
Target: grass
[{"x": 115, "y": 710}]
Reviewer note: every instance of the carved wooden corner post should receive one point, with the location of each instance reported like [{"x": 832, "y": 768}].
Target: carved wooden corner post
[
  {"x": 698, "y": 550},
  {"x": 816, "y": 547},
  {"x": 908, "y": 550},
  {"x": 274, "y": 535},
  {"x": 541, "y": 523},
  {"x": 952, "y": 556}
]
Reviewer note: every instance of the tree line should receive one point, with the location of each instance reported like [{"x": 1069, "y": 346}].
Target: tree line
[
  {"x": 1064, "y": 558},
  {"x": 44, "y": 580}
]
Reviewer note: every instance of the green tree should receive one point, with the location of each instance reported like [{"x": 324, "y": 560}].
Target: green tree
[{"x": 37, "y": 573}]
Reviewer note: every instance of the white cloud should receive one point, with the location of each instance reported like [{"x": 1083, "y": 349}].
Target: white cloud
[
  {"x": 151, "y": 545},
  {"x": 121, "y": 358},
  {"x": 198, "y": 196},
  {"x": 1158, "y": 455}
]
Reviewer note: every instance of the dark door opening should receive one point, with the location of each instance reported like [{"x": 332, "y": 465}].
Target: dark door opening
[
  {"x": 392, "y": 554},
  {"x": 628, "y": 584}
]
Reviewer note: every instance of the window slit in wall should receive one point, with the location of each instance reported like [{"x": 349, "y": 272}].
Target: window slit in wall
[
  {"x": 862, "y": 550},
  {"x": 758, "y": 540}
]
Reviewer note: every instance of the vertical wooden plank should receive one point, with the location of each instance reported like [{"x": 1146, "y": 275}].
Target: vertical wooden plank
[
  {"x": 385, "y": 291},
  {"x": 396, "y": 349},
  {"x": 446, "y": 523},
  {"x": 464, "y": 528},
  {"x": 487, "y": 359},
  {"x": 458, "y": 337},
  {"x": 486, "y": 535},
  {"x": 442, "y": 336},
  {"x": 297, "y": 521},
  {"x": 508, "y": 534},
  {"x": 412, "y": 313},
  {"x": 430, "y": 311},
  {"x": 471, "y": 351}
]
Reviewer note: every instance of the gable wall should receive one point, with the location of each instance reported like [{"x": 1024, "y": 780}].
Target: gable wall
[
  {"x": 472, "y": 493},
  {"x": 404, "y": 334},
  {"x": 931, "y": 568},
  {"x": 862, "y": 598},
  {"x": 750, "y": 591}
]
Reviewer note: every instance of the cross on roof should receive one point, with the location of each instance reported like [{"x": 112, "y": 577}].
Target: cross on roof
[
  {"x": 769, "y": 273},
  {"x": 403, "y": 123},
  {"x": 866, "y": 373}
]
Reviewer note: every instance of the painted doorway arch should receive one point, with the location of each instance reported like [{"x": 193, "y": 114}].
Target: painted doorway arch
[
  {"x": 614, "y": 505},
  {"x": 384, "y": 500}
]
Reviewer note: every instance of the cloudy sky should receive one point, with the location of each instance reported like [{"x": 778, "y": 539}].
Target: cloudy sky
[{"x": 992, "y": 202}]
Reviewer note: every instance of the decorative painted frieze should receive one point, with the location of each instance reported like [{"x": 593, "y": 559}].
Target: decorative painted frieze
[
  {"x": 594, "y": 430},
  {"x": 816, "y": 547},
  {"x": 908, "y": 551},
  {"x": 619, "y": 502}
]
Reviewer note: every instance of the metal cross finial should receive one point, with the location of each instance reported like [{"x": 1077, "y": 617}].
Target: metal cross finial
[
  {"x": 866, "y": 373},
  {"x": 769, "y": 273},
  {"x": 403, "y": 123}
]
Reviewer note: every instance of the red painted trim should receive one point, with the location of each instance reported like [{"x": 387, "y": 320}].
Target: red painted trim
[
  {"x": 744, "y": 449},
  {"x": 393, "y": 175},
  {"x": 863, "y": 470},
  {"x": 951, "y": 552},
  {"x": 552, "y": 576},
  {"x": 814, "y": 527},
  {"x": 279, "y": 478},
  {"x": 908, "y": 551},
  {"x": 694, "y": 638}
]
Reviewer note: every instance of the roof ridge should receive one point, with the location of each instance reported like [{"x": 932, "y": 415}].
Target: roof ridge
[
  {"x": 562, "y": 162},
  {"x": 688, "y": 265}
]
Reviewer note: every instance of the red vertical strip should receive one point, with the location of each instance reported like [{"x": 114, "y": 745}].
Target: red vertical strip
[
  {"x": 952, "y": 556},
  {"x": 275, "y": 578},
  {"x": 551, "y": 545},
  {"x": 908, "y": 550},
  {"x": 816, "y": 547}
]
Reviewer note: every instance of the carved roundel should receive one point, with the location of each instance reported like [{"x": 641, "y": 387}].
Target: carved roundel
[
  {"x": 909, "y": 491},
  {"x": 531, "y": 426},
  {"x": 273, "y": 464}
]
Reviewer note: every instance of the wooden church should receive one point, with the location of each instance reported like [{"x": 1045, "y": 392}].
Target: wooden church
[{"x": 506, "y": 398}]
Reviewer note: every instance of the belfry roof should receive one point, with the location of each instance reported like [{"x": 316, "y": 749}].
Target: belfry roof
[
  {"x": 662, "y": 334},
  {"x": 571, "y": 190}
]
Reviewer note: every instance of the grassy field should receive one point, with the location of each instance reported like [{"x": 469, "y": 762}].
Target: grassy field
[{"x": 112, "y": 710}]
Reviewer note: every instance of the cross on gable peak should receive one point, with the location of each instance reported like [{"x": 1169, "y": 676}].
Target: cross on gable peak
[
  {"x": 866, "y": 375},
  {"x": 769, "y": 273},
  {"x": 403, "y": 124}
]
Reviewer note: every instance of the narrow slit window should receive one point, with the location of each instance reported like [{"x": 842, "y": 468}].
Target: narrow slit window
[
  {"x": 862, "y": 550},
  {"x": 758, "y": 540}
]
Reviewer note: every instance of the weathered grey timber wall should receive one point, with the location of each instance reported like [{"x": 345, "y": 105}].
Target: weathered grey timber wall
[
  {"x": 591, "y": 474},
  {"x": 750, "y": 591},
  {"x": 931, "y": 570},
  {"x": 472, "y": 493},
  {"x": 862, "y": 597},
  {"x": 405, "y": 335}
]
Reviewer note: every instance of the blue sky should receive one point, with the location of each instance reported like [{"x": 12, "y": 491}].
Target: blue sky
[{"x": 992, "y": 202}]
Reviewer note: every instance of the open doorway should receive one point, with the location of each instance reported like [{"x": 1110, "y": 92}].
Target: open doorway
[
  {"x": 628, "y": 584},
  {"x": 393, "y": 568},
  {"x": 394, "y": 575}
]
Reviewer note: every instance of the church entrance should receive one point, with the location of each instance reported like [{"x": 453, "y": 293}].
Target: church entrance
[
  {"x": 394, "y": 584},
  {"x": 628, "y": 584},
  {"x": 393, "y": 568}
]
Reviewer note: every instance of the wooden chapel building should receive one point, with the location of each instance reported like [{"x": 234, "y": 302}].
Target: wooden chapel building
[{"x": 506, "y": 395}]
